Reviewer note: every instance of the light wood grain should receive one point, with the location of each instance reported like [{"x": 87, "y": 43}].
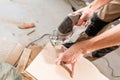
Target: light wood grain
[
  {"x": 35, "y": 49},
  {"x": 15, "y": 54},
  {"x": 24, "y": 59},
  {"x": 28, "y": 76},
  {"x": 43, "y": 67}
]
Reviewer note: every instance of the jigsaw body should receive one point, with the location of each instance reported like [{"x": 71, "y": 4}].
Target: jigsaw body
[{"x": 65, "y": 29}]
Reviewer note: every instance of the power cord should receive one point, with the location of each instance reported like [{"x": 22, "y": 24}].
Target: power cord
[{"x": 37, "y": 39}]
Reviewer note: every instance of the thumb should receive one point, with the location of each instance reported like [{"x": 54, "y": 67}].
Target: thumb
[
  {"x": 72, "y": 71},
  {"x": 63, "y": 48},
  {"x": 83, "y": 16},
  {"x": 82, "y": 19},
  {"x": 58, "y": 61}
]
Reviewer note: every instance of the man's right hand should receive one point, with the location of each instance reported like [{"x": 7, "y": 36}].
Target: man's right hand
[{"x": 86, "y": 14}]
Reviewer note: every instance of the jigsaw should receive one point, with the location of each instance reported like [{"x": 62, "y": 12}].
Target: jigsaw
[{"x": 64, "y": 29}]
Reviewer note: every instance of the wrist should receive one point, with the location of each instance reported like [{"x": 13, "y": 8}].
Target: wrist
[
  {"x": 89, "y": 47},
  {"x": 92, "y": 8},
  {"x": 86, "y": 47}
]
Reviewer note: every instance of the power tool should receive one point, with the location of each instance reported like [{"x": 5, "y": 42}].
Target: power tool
[{"x": 64, "y": 29}]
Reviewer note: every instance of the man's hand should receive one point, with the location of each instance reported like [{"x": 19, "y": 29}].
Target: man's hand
[
  {"x": 86, "y": 14},
  {"x": 88, "y": 11},
  {"x": 70, "y": 56}
]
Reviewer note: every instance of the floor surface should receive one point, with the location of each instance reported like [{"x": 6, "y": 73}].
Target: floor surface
[{"x": 47, "y": 15}]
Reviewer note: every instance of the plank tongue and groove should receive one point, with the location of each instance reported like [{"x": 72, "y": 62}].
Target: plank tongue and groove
[
  {"x": 35, "y": 49},
  {"x": 15, "y": 54},
  {"x": 23, "y": 60},
  {"x": 43, "y": 67}
]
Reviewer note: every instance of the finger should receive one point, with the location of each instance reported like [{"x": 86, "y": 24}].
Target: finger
[
  {"x": 80, "y": 21},
  {"x": 72, "y": 71},
  {"x": 83, "y": 16},
  {"x": 78, "y": 11},
  {"x": 83, "y": 23},
  {"x": 72, "y": 14},
  {"x": 63, "y": 48},
  {"x": 87, "y": 22},
  {"x": 58, "y": 61}
]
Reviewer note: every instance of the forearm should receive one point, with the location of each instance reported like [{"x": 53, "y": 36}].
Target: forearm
[
  {"x": 96, "y": 4},
  {"x": 106, "y": 39}
]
